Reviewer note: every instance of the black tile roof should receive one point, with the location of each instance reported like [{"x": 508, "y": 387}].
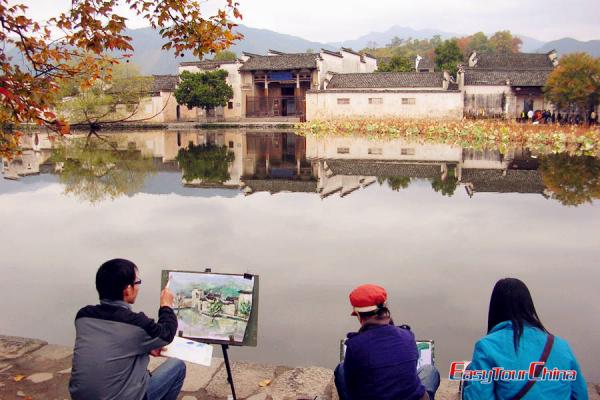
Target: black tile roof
[
  {"x": 281, "y": 185},
  {"x": 387, "y": 80},
  {"x": 164, "y": 83},
  {"x": 332, "y": 53},
  {"x": 385, "y": 168},
  {"x": 516, "y": 61},
  {"x": 281, "y": 62},
  {"x": 494, "y": 180},
  {"x": 206, "y": 64},
  {"x": 349, "y": 50},
  {"x": 475, "y": 76}
]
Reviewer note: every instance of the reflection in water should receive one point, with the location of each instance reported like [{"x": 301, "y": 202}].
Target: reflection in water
[
  {"x": 94, "y": 169},
  {"x": 205, "y": 164},
  {"x": 258, "y": 161},
  {"x": 571, "y": 180}
]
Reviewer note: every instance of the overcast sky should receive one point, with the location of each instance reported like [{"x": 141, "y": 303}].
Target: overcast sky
[{"x": 337, "y": 20}]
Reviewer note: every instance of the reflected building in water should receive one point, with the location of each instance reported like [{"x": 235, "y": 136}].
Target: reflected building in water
[
  {"x": 32, "y": 160},
  {"x": 345, "y": 164},
  {"x": 274, "y": 162}
]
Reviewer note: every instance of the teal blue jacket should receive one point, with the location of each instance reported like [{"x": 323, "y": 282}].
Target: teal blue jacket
[{"x": 497, "y": 350}]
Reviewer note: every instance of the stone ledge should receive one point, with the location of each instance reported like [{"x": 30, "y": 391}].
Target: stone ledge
[{"x": 12, "y": 347}]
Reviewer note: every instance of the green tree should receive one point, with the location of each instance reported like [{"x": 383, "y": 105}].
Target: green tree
[
  {"x": 572, "y": 180},
  {"x": 505, "y": 42},
  {"x": 575, "y": 83},
  {"x": 208, "y": 163},
  {"x": 225, "y": 55},
  {"x": 396, "y": 183},
  {"x": 396, "y": 64},
  {"x": 479, "y": 42},
  {"x": 113, "y": 99},
  {"x": 215, "y": 308},
  {"x": 447, "y": 186},
  {"x": 245, "y": 308},
  {"x": 203, "y": 89},
  {"x": 448, "y": 56},
  {"x": 94, "y": 169}
]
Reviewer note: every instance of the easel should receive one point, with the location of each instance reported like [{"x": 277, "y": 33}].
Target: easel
[
  {"x": 224, "y": 348},
  {"x": 224, "y": 343}
]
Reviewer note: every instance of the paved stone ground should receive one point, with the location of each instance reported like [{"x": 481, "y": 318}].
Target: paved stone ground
[{"x": 31, "y": 369}]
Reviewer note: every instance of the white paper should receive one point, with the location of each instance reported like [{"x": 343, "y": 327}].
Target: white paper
[{"x": 188, "y": 350}]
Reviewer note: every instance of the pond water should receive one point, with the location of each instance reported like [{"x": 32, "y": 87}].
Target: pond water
[{"x": 437, "y": 225}]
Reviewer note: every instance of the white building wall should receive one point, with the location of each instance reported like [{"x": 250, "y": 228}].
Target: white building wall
[
  {"x": 389, "y": 150},
  {"x": 438, "y": 104},
  {"x": 352, "y": 62}
]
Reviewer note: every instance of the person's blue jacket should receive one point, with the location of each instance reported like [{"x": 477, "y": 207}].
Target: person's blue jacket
[
  {"x": 381, "y": 364},
  {"x": 497, "y": 350}
]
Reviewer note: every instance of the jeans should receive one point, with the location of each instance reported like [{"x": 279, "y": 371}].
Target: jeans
[
  {"x": 166, "y": 380},
  {"x": 428, "y": 375}
]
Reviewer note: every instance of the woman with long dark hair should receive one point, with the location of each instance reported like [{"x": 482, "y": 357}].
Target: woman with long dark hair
[{"x": 517, "y": 338}]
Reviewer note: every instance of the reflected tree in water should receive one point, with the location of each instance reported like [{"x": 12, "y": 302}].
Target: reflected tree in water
[
  {"x": 94, "y": 169},
  {"x": 396, "y": 183},
  {"x": 446, "y": 186},
  {"x": 208, "y": 163},
  {"x": 572, "y": 180}
]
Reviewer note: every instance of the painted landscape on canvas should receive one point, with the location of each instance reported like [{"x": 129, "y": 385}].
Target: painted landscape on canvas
[{"x": 212, "y": 307}]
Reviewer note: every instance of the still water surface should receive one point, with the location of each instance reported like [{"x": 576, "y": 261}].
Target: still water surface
[{"x": 313, "y": 218}]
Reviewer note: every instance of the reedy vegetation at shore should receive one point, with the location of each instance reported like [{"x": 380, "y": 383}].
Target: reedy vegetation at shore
[{"x": 477, "y": 134}]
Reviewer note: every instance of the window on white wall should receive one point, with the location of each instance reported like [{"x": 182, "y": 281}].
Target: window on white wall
[
  {"x": 407, "y": 151},
  {"x": 409, "y": 100},
  {"x": 343, "y": 150},
  {"x": 376, "y": 151},
  {"x": 343, "y": 100},
  {"x": 375, "y": 100}
]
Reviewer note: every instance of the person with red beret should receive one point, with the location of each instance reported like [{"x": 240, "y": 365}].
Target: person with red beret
[{"x": 381, "y": 358}]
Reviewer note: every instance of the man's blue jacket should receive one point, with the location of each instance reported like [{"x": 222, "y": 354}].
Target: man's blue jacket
[{"x": 381, "y": 364}]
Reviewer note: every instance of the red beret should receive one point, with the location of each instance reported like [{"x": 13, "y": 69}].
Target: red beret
[{"x": 365, "y": 298}]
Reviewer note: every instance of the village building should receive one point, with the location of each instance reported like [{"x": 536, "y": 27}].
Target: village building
[
  {"x": 32, "y": 160},
  {"x": 269, "y": 86},
  {"x": 408, "y": 95},
  {"x": 505, "y": 85}
]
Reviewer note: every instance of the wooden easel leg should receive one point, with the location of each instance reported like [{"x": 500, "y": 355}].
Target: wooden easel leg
[{"x": 224, "y": 347}]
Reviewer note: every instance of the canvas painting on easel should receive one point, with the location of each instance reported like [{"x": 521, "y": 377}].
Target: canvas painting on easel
[{"x": 212, "y": 307}]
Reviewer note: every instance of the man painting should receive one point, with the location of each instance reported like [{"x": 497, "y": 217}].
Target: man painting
[
  {"x": 112, "y": 342},
  {"x": 381, "y": 359}
]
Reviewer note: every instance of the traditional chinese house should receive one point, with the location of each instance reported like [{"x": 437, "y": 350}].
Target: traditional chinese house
[{"x": 505, "y": 85}]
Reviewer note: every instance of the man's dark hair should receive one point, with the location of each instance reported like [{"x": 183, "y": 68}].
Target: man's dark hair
[
  {"x": 511, "y": 301},
  {"x": 113, "y": 277}
]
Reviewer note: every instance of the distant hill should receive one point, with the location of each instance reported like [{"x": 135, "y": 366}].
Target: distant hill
[
  {"x": 152, "y": 60},
  {"x": 570, "y": 45},
  {"x": 383, "y": 38},
  {"x": 530, "y": 45}
]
